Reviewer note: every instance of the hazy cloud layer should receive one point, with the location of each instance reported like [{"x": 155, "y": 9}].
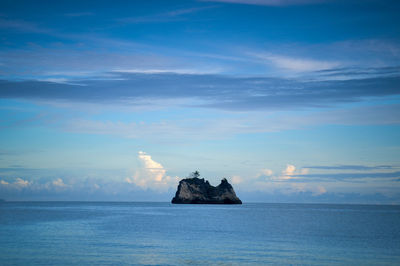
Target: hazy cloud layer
[
  {"x": 220, "y": 125},
  {"x": 356, "y": 175},
  {"x": 216, "y": 91},
  {"x": 270, "y": 189},
  {"x": 350, "y": 167}
]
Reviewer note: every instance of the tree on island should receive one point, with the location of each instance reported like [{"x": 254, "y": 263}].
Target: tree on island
[{"x": 195, "y": 174}]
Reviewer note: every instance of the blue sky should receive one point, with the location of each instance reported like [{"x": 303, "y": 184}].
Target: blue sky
[{"x": 291, "y": 100}]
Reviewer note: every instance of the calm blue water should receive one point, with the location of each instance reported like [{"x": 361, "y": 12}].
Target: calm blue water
[{"x": 60, "y": 233}]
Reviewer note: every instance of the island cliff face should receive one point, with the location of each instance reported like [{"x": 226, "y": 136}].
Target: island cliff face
[{"x": 198, "y": 191}]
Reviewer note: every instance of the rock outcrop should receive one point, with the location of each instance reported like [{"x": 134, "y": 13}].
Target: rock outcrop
[{"x": 198, "y": 191}]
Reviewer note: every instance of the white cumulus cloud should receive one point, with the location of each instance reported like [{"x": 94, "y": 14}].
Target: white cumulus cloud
[
  {"x": 290, "y": 172},
  {"x": 283, "y": 182},
  {"x": 290, "y": 169},
  {"x": 59, "y": 183},
  {"x": 151, "y": 175},
  {"x": 21, "y": 183}
]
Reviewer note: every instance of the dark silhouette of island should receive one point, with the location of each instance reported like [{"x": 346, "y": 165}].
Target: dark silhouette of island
[{"x": 194, "y": 190}]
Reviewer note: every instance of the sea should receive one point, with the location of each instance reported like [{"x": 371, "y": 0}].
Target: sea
[{"x": 132, "y": 233}]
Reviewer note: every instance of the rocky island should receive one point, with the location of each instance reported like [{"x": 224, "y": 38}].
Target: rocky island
[{"x": 194, "y": 190}]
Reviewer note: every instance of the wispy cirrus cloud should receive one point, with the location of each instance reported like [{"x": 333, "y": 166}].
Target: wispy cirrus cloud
[
  {"x": 97, "y": 56},
  {"x": 204, "y": 124},
  {"x": 23, "y": 26},
  {"x": 225, "y": 127},
  {"x": 167, "y": 71},
  {"x": 79, "y": 14},
  {"x": 212, "y": 91},
  {"x": 168, "y": 16},
  {"x": 296, "y": 64},
  {"x": 348, "y": 73},
  {"x": 269, "y": 2}
]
